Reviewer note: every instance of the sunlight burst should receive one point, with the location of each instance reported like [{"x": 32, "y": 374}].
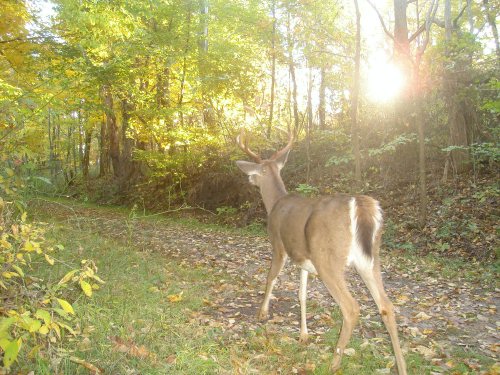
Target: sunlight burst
[{"x": 384, "y": 81}]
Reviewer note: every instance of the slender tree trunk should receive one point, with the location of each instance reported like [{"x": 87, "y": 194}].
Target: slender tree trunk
[
  {"x": 103, "y": 151},
  {"x": 291, "y": 67},
  {"x": 86, "y": 153},
  {"x": 322, "y": 103},
  {"x": 309, "y": 124},
  {"x": 126, "y": 161},
  {"x": 420, "y": 125},
  {"x": 208, "y": 115},
  {"x": 273, "y": 70},
  {"x": 355, "y": 98},
  {"x": 80, "y": 139},
  {"x": 51, "y": 146}
]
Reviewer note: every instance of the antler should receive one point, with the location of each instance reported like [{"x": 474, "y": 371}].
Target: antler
[
  {"x": 285, "y": 149},
  {"x": 244, "y": 146}
]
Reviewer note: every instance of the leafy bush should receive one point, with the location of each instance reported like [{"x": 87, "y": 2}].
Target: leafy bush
[{"x": 33, "y": 311}]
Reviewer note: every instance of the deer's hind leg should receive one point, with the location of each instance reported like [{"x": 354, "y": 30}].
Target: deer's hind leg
[
  {"x": 334, "y": 280},
  {"x": 373, "y": 280},
  {"x": 279, "y": 259}
]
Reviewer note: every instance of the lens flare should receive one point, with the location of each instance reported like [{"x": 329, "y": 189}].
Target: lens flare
[{"x": 384, "y": 81}]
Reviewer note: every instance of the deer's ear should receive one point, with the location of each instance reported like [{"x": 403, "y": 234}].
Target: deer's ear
[
  {"x": 282, "y": 159},
  {"x": 249, "y": 168}
]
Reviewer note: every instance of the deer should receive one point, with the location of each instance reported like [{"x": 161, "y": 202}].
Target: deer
[{"x": 323, "y": 236}]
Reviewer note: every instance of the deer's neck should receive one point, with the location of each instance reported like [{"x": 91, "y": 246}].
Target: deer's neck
[{"x": 272, "y": 191}]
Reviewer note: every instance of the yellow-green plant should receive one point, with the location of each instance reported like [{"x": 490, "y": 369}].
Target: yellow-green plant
[{"x": 32, "y": 309}]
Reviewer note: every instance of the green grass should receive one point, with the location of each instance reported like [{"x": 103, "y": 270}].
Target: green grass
[{"x": 133, "y": 306}]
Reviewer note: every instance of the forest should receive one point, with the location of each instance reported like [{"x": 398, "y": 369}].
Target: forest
[{"x": 131, "y": 243}]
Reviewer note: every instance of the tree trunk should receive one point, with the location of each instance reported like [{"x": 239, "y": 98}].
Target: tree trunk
[
  {"x": 112, "y": 131},
  {"x": 456, "y": 121},
  {"x": 126, "y": 162},
  {"x": 273, "y": 70},
  {"x": 291, "y": 67},
  {"x": 51, "y": 147},
  {"x": 103, "y": 151},
  {"x": 355, "y": 99},
  {"x": 208, "y": 115},
  {"x": 309, "y": 125},
  {"x": 419, "y": 124},
  {"x": 86, "y": 153},
  {"x": 401, "y": 42},
  {"x": 322, "y": 94}
]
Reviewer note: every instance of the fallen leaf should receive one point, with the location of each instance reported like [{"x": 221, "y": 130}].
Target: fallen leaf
[
  {"x": 94, "y": 370},
  {"x": 129, "y": 348},
  {"x": 171, "y": 359},
  {"x": 175, "y": 297},
  {"x": 428, "y": 353},
  {"x": 422, "y": 316}
]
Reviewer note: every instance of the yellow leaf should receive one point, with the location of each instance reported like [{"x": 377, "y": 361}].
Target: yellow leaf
[
  {"x": 87, "y": 289},
  {"x": 175, "y": 297},
  {"x": 43, "y": 330},
  {"x": 49, "y": 259},
  {"x": 67, "y": 277},
  {"x": 28, "y": 246},
  {"x": 18, "y": 270},
  {"x": 23, "y": 216},
  {"x": 66, "y": 306}
]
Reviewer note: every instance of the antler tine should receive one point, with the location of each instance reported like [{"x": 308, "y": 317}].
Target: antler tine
[
  {"x": 285, "y": 149},
  {"x": 244, "y": 146}
]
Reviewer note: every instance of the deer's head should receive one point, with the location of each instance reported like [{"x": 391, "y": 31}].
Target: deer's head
[{"x": 263, "y": 172}]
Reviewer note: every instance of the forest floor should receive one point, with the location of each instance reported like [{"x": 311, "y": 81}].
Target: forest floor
[{"x": 206, "y": 284}]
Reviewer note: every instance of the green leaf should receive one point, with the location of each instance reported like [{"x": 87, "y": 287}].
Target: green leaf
[
  {"x": 34, "y": 325},
  {"x": 66, "y": 306},
  {"x": 87, "y": 289},
  {"x": 4, "y": 343},
  {"x": 11, "y": 352},
  {"x": 5, "y": 323},
  {"x": 44, "y": 315},
  {"x": 61, "y": 312}
]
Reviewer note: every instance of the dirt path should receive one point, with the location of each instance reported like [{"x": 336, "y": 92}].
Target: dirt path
[{"x": 436, "y": 315}]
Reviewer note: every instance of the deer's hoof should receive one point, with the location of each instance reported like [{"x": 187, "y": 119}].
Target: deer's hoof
[
  {"x": 263, "y": 315},
  {"x": 303, "y": 338},
  {"x": 335, "y": 366}
]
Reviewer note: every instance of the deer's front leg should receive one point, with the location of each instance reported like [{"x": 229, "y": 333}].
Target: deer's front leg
[
  {"x": 303, "y": 299},
  {"x": 279, "y": 259}
]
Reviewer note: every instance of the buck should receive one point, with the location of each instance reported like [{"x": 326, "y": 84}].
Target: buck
[{"x": 322, "y": 236}]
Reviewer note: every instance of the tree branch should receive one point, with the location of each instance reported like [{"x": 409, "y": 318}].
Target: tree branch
[
  {"x": 457, "y": 18},
  {"x": 381, "y": 20}
]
